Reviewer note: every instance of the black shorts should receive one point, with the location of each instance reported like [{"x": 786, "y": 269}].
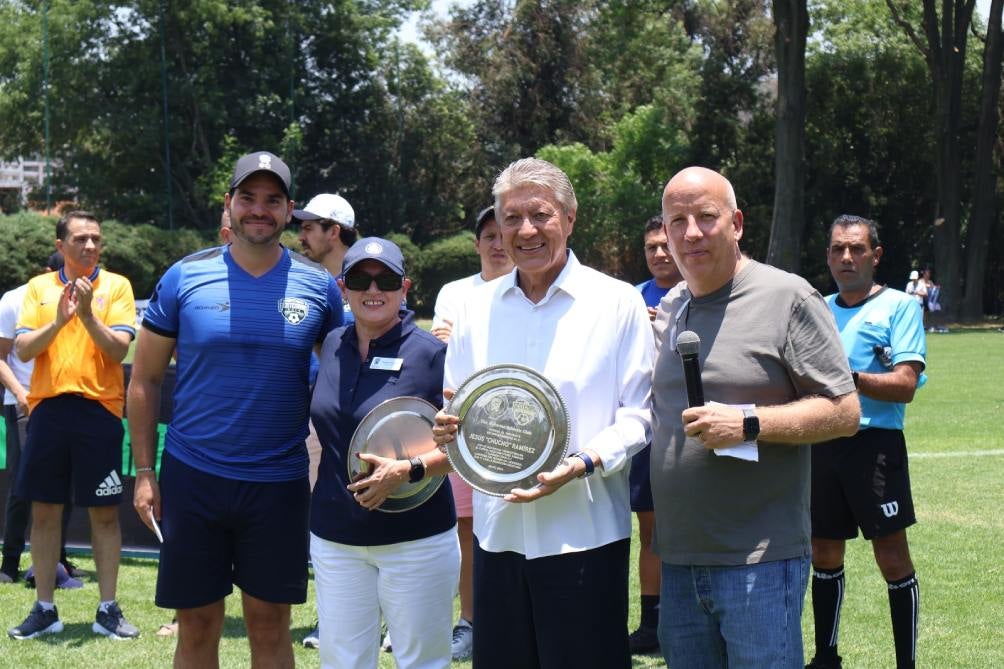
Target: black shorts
[
  {"x": 640, "y": 483},
  {"x": 861, "y": 481},
  {"x": 72, "y": 439},
  {"x": 221, "y": 532}
]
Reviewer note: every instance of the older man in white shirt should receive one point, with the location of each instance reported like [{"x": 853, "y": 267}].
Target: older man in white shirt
[{"x": 551, "y": 562}]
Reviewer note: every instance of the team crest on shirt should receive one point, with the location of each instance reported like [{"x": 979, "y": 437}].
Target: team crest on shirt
[{"x": 293, "y": 309}]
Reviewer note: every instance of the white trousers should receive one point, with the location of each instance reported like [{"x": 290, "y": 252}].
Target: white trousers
[{"x": 412, "y": 583}]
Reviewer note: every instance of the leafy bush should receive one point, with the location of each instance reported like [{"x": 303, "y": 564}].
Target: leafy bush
[
  {"x": 445, "y": 260},
  {"x": 139, "y": 252}
]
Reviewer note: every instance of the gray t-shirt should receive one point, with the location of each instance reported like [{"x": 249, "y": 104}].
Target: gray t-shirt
[{"x": 767, "y": 338}]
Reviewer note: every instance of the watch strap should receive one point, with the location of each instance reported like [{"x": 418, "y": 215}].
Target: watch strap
[{"x": 586, "y": 460}]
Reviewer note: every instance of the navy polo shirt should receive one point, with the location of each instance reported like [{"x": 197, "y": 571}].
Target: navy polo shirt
[{"x": 347, "y": 389}]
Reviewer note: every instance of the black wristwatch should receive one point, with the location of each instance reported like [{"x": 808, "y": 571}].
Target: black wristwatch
[
  {"x": 751, "y": 425},
  {"x": 417, "y": 472}
]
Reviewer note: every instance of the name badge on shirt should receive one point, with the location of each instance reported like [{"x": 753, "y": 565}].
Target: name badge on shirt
[{"x": 387, "y": 364}]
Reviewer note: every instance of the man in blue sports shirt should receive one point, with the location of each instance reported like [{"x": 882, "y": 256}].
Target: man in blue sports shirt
[
  {"x": 665, "y": 275},
  {"x": 233, "y": 496},
  {"x": 863, "y": 481}
]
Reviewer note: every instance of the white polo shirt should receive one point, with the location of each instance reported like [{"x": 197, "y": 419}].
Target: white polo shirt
[
  {"x": 591, "y": 337},
  {"x": 10, "y": 307}
]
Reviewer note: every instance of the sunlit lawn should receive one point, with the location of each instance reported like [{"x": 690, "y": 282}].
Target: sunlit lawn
[{"x": 957, "y": 465}]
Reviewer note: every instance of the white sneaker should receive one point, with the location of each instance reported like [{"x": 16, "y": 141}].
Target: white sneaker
[
  {"x": 313, "y": 638},
  {"x": 386, "y": 646},
  {"x": 463, "y": 640}
]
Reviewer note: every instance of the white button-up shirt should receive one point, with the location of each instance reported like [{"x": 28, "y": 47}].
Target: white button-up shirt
[{"x": 591, "y": 337}]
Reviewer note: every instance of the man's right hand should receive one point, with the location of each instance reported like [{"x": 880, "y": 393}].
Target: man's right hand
[
  {"x": 445, "y": 429},
  {"x": 146, "y": 497},
  {"x": 443, "y": 331}
]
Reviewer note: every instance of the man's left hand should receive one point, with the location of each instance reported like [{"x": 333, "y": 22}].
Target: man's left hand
[
  {"x": 549, "y": 482},
  {"x": 715, "y": 425},
  {"x": 84, "y": 292}
]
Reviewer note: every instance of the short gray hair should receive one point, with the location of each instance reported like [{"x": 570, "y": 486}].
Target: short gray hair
[{"x": 537, "y": 172}]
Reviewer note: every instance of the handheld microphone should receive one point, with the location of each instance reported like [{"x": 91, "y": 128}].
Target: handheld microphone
[{"x": 688, "y": 345}]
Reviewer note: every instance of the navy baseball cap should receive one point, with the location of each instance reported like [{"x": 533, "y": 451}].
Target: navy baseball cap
[
  {"x": 261, "y": 161},
  {"x": 485, "y": 215},
  {"x": 374, "y": 248}
]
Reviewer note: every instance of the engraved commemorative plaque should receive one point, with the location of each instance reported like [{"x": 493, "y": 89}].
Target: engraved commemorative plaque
[
  {"x": 513, "y": 426},
  {"x": 399, "y": 428}
]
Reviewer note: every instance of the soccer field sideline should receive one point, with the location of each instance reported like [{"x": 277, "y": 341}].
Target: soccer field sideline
[{"x": 954, "y": 544}]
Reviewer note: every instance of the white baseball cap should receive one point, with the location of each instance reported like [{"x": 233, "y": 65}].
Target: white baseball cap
[
  {"x": 330, "y": 206},
  {"x": 914, "y": 275}
]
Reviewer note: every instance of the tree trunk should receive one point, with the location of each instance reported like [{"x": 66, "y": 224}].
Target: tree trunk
[
  {"x": 985, "y": 197},
  {"x": 791, "y": 25}
]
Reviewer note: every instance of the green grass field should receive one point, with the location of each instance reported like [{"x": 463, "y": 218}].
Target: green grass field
[{"x": 957, "y": 465}]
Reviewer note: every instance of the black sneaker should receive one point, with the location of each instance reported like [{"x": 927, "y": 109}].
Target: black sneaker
[
  {"x": 643, "y": 641},
  {"x": 73, "y": 570},
  {"x": 38, "y": 623},
  {"x": 112, "y": 624},
  {"x": 831, "y": 662}
]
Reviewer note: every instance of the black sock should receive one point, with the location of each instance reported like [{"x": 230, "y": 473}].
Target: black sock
[
  {"x": 827, "y": 598},
  {"x": 10, "y": 565},
  {"x": 904, "y": 607},
  {"x": 650, "y": 611}
]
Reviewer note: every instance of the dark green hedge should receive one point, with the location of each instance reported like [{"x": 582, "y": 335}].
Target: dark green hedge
[{"x": 143, "y": 252}]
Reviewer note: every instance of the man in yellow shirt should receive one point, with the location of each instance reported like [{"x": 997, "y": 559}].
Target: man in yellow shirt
[{"x": 76, "y": 324}]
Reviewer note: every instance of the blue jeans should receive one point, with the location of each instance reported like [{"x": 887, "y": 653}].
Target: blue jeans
[{"x": 734, "y": 617}]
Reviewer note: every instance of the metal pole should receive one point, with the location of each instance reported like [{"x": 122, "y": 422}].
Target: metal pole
[
  {"x": 45, "y": 103},
  {"x": 167, "y": 122}
]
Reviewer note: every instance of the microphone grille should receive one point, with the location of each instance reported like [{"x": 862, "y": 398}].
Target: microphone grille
[{"x": 688, "y": 343}]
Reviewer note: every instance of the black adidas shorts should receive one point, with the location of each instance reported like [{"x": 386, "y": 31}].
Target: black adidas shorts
[
  {"x": 861, "y": 481},
  {"x": 72, "y": 439}
]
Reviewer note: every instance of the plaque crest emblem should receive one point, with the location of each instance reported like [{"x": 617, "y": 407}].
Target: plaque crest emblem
[
  {"x": 497, "y": 407},
  {"x": 293, "y": 309},
  {"x": 523, "y": 412}
]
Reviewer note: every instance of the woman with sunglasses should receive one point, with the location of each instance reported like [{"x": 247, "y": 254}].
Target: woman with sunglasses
[{"x": 405, "y": 565}]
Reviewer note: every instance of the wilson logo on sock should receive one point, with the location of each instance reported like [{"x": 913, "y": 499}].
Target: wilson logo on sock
[{"x": 112, "y": 485}]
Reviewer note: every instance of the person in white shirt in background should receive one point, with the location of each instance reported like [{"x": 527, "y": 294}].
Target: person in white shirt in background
[
  {"x": 494, "y": 263},
  {"x": 551, "y": 562}
]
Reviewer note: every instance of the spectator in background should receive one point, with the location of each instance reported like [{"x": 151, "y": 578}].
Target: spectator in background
[
  {"x": 863, "y": 480},
  {"x": 225, "y": 228},
  {"x": 16, "y": 379},
  {"x": 327, "y": 230},
  {"x": 665, "y": 275},
  {"x": 494, "y": 263},
  {"x": 76, "y": 324}
]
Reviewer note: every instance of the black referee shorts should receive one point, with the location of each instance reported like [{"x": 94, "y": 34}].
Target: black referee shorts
[{"x": 861, "y": 481}]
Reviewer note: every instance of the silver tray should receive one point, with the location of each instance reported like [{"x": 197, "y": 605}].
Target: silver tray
[
  {"x": 513, "y": 426},
  {"x": 399, "y": 428}
]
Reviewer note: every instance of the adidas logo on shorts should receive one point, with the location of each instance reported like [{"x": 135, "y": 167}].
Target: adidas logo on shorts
[{"x": 112, "y": 485}]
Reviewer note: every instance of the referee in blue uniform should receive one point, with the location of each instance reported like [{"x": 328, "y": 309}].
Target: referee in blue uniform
[
  {"x": 863, "y": 481},
  {"x": 233, "y": 496}
]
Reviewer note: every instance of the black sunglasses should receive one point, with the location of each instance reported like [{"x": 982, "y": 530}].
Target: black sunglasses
[{"x": 385, "y": 281}]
